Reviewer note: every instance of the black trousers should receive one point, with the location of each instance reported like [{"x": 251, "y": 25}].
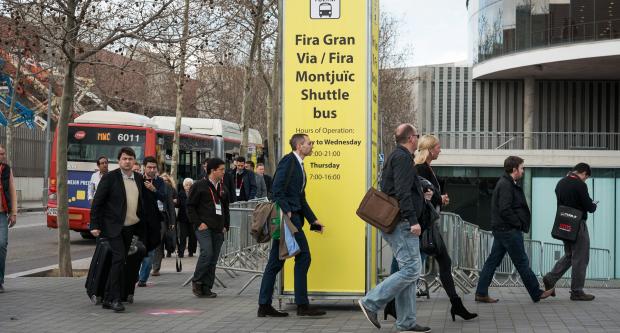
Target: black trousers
[
  {"x": 188, "y": 237},
  {"x": 119, "y": 247}
]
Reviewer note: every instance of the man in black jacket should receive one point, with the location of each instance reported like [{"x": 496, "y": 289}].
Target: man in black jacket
[
  {"x": 572, "y": 191},
  {"x": 117, "y": 214},
  {"x": 510, "y": 218},
  {"x": 400, "y": 181},
  {"x": 243, "y": 180},
  {"x": 207, "y": 209}
]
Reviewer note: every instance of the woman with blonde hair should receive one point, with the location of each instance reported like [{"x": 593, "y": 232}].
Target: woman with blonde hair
[{"x": 428, "y": 151}]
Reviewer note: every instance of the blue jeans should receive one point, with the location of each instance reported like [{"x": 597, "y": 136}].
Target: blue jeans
[
  {"x": 4, "y": 242},
  {"x": 274, "y": 266},
  {"x": 402, "y": 284},
  {"x": 145, "y": 268},
  {"x": 511, "y": 242}
]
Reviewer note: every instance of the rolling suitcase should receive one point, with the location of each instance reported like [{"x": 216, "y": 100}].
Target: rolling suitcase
[{"x": 98, "y": 271}]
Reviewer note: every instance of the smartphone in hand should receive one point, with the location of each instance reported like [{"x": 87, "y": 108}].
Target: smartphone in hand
[{"x": 316, "y": 227}]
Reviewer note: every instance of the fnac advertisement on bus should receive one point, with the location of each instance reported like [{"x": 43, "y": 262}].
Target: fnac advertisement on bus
[{"x": 327, "y": 91}]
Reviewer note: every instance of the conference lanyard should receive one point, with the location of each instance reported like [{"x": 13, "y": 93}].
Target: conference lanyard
[{"x": 218, "y": 205}]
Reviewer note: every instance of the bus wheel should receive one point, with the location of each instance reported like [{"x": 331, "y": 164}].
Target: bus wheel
[{"x": 87, "y": 235}]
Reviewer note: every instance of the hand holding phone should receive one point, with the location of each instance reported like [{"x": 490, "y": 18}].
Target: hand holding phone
[{"x": 316, "y": 226}]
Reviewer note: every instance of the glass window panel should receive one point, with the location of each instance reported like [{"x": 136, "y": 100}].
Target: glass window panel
[
  {"x": 540, "y": 22},
  {"x": 559, "y": 16},
  {"x": 582, "y": 19}
]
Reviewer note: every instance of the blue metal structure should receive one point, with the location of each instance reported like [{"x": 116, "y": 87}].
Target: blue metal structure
[{"x": 25, "y": 115}]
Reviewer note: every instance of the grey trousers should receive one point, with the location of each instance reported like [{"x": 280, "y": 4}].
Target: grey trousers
[
  {"x": 159, "y": 251},
  {"x": 577, "y": 256}
]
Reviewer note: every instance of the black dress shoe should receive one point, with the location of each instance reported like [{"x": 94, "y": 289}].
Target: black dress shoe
[
  {"x": 141, "y": 283},
  {"x": 209, "y": 294},
  {"x": 197, "y": 289},
  {"x": 191, "y": 255},
  {"x": 117, "y": 306},
  {"x": 267, "y": 310},
  {"x": 306, "y": 310}
]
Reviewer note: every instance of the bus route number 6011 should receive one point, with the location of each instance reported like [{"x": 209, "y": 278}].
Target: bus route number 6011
[{"x": 128, "y": 137}]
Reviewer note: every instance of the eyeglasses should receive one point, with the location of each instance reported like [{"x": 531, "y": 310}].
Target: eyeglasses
[{"x": 417, "y": 136}]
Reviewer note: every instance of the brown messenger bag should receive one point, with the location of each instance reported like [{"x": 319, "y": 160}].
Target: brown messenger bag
[{"x": 379, "y": 210}]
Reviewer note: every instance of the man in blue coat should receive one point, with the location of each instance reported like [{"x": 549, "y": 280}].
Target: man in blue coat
[{"x": 289, "y": 185}]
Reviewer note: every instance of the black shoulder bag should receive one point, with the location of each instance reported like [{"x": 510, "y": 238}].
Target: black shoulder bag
[{"x": 567, "y": 223}]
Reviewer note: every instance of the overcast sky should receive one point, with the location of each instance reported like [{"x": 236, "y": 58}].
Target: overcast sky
[{"x": 436, "y": 31}]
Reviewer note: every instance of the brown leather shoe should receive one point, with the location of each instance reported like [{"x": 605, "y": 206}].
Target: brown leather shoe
[
  {"x": 485, "y": 299},
  {"x": 156, "y": 273},
  {"x": 549, "y": 285}
]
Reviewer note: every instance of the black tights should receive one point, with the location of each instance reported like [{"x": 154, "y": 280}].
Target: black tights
[{"x": 445, "y": 270}]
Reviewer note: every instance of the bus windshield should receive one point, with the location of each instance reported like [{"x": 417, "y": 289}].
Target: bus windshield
[{"x": 86, "y": 144}]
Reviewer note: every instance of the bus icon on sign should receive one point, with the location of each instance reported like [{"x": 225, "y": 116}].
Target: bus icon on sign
[{"x": 325, "y": 9}]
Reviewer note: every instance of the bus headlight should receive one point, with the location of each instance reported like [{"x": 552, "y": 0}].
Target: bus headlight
[{"x": 52, "y": 197}]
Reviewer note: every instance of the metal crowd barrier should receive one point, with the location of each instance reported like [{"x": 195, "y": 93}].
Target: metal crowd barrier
[
  {"x": 599, "y": 266},
  {"x": 240, "y": 252},
  {"x": 469, "y": 247}
]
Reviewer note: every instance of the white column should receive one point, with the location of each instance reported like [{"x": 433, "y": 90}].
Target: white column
[{"x": 529, "y": 97}]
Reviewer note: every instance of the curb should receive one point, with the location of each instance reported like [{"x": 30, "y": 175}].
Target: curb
[{"x": 31, "y": 209}]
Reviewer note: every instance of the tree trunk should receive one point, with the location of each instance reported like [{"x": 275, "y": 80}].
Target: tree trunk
[
  {"x": 249, "y": 69},
  {"x": 180, "y": 88},
  {"x": 66, "y": 107},
  {"x": 9, "y": 118}
]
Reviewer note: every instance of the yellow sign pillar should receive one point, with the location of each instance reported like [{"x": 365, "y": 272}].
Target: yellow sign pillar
[{"x": 329, "y": 91}]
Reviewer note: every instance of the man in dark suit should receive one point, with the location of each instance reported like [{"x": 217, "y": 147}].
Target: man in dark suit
[
  {"x": 289, "y": 193},
  {"x": 242, "y": 181},
  {"x": 117, "y": 214}
]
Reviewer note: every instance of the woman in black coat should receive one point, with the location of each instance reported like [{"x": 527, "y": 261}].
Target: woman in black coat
[
  {"x": 428, "y": 151},
  {"x": 186, "y": 231}
]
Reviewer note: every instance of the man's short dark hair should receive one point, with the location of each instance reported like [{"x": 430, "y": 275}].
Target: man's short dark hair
[
  {"x": 240, "y": 159},
  {"x": 149, "y": 159},
  {"x": 583, "y": 167},
  {"x": 127, "y": 151},
  {"x": 213, "y": 164},
  {"x": 297, "y": 139},
  {"x": 402, "y": 136},
  {"x": 251, "y": 163},
  {"x": 511, "y": 163},
  {"x": 102, "y": 157},
  {"x": 260, "y": 164}
]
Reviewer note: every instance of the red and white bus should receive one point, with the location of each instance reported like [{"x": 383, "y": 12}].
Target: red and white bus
[{"x": 103, "y": 133}]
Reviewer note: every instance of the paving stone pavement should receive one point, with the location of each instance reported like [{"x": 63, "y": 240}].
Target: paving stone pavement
[{"x": 39, "y": 304}]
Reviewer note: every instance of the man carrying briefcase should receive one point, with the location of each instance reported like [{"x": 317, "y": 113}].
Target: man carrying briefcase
[{"x": 572, "y": 191}]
